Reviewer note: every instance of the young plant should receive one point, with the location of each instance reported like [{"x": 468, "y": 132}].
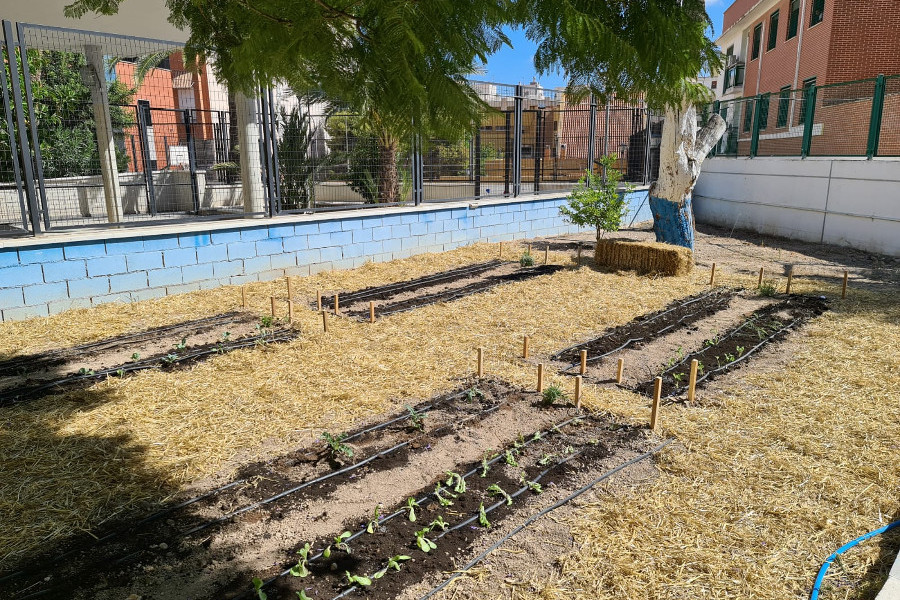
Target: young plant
[
  {"x": 485, "y": 467},
  {"x": 700, "y": 367},
  {"x": 740, "y": 351},
  {"x": 169, "y": 359},
  {"x": 526, "y": 260},
  {"x": 438, "y": 493},
  {"x": 474, "y": 394},
  {"x": 439, "y": 523},
  {"x": 767, "y": 289},
  {"x": 510, "y": 459},
  {"x": 340, "y": 543},
  {"x": 496, "y": 490},
  {"x": 545, "y": 459},
  {"x": 301, "y": 595},
  {"x": 416, "y": 419},
  {"x": 729, "y": 357},
  {"x": 424, "y": 544},
  {"x": 534, "y": 486},
  {"x": 678, "y": 377},
  {"x": 482, "y": 517},
  {"x": 456, "y": 481},
  {"x": 553, "y": 394},
  {"x": 394, "y": 562},
  {"x": 372, "y": 524},
  {"x": 135, "y": 356},
  {"x": 182, "y": 344},
  {"x": 83, "y": 371},
  {"x": 257, "y": 587},
  {"x": 358, "y": 580},
  {"x": 300, "y": 569},
  {"x": 225, "y": 336},
  {"x": 411, "y": 505},
  {"x": 597, "y": 201},
  {"x": 266, "y": 321},
  {"x": 337, "y": 446}
]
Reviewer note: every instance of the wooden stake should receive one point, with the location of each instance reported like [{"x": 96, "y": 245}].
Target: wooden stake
[
  {"x": 540, "y": 383},
  {"x": 480, "y": 362},
  {"x": 579, "y": 253},
  {"x": 288, "y": 280},
  {"x": 290, "y": 311},
  {"x": 337, "y": 305},
  {"x": 844, "y": 288},
  {"x": 583, "y": 362},
  {"x": 578, "y": 392},
  {"x": 787, "y": 289},
  {"x": 319, "y": 300},
  {"x": 759, "y": 283},
  {"x": 324, "y": 321},
  {"x": 501, "y": 249},
  {"x": 712, "y": 274},
  {"x": 547, "y": 254},
  {"x": 529, "y": 249},
  {"x": 692, "y": 380},
  {"x": 525, "y": 346},
  {"x": 244, "y": 297},
  {"x": 619, "y": 370},
  {"x": 657, "y": 394},
  {"x": 371, "y": 311},
  {"x": 272, "y": 300}
]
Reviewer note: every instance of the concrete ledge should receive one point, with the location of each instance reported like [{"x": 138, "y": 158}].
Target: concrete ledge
[{"x": 891, "y": 589}]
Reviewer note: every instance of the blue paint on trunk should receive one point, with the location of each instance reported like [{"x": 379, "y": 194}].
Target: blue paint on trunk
[{"x": 673, "y": 223}]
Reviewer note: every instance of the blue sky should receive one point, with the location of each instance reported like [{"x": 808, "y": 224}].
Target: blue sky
[{"x": 516, "y": 65}]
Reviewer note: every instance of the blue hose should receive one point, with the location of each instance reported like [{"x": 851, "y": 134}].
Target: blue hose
[{"x": 841, "y": 550}]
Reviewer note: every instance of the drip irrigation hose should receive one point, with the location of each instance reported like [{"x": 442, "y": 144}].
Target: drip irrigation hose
[
  {"x": 540, "y": 514},
  {"x": 536, "y": 436},
  {"x": 833, "y": 556}
]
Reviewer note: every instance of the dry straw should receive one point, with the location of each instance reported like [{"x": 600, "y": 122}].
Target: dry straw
[{"x": 644, "y": 257}]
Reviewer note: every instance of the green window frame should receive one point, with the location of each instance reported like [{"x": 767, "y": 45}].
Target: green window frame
[
  {"x": 773, "y": 30},
  {"x": 757, "y": 41},
  {"x": 764, "y": 110},
  {"x": 807, "y": 83},
  {"x": 784, "y": 106},
  {"x": 817, "y": 14},
  {"x": 793, "y": 18},
  {"x": 748, "y": 115}
]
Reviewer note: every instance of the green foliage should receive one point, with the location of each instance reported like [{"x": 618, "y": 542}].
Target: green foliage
[
  {"x": 300, "y": 569},
  {"x": 767, "y": 289},
  {"x": 424, "y": 544},
  {"x": 393, "y": 562},
  {"x": 373, "y": 523},
  {"x": 340, "y": 543},
  {"x": 456, "y": 481},
  {"x": 439, "y": 493},
  {"x": 337, "y": 446},
  {"x": 597, "y": 202},
  {"x": 358, "y": 580},
  {"x": 298, "y": 168},
  {"x": 411, "y": 505},
  {"x": 257, "y": 587},
  {"x": 510, "y": 458},
  {"x": 496, "y": 490},
  {"x": 482, "y": 516},
  {"x": 552, "y": 395},
  {"x": 301, "y": 595},
  {"x": 439, "y": 523},
  {"x": 416, "y": 418},
  {"x": 526, "y": 260}
]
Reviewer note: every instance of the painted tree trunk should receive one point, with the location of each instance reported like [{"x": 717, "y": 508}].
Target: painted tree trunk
[{"x": 682, "y": 151}]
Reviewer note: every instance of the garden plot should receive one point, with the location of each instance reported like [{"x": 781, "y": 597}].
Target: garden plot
[
  {"x": 445, "y": 286},
  {"x": 169, "y": 347},
  {"x": 212, "y": 545}
]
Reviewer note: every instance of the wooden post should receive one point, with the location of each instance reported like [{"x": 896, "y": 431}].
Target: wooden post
[
  {"x": 692, "y": 380},
  {"x": 547, "y": 254},
  {"x": 583, "y": 362},
  {"x": 657, "y": 394},
  {"x": 619, "y": 369},
  {"x": 272, "y": 300},
  {"x": 540, "y": 382},
  {"x": 501, "y": 250},
  {"x": 529, "y": 249},
  {"x": 579, "y": 254},
  {"x": 319, "y": 300},
  {"x": 371, "y": 311},
  {"x": 480, "y": 362},
  {"x": 337, "y": 305},
  {"x": 324, "y": 321},
  {"x": 288, "y": 280},
  {"x": 844, "y": 288},
  {"x": 578, "y": 392},
  {"x": 712, "y": 274},
  {"x": 787, "y": 290},
  {"x": 244, "y": 297},
  {"x": 525, "y": 346},
  {"x": 290, "y": 311},
  {"x": 759, "y": 283}
]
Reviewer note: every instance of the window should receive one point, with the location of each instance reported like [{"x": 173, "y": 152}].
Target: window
[
  {"x": 764, "y": 110},
  {"x": 784, "y": 106},
  {"x": 793, "y": 18},
  {"x": 817, "y": 13},
  {"x": 714, "y": 84},
  {"x": 807, "y": 83},
  {"x": 730, "y": 51},
  {"x": 773, "y": 30},
  {"x": 748, "y": 115},
  {"x": 757, "y": 41}
]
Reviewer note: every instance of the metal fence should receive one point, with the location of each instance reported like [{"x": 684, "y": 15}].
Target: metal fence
[
  {"x": 100, "y": 130},
  {"x": 855, "y": 118}
]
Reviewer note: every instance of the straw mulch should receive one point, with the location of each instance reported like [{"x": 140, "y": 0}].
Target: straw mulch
[
  {"x": 69, "y": 462},
  {"x": 644, "y": 257}
]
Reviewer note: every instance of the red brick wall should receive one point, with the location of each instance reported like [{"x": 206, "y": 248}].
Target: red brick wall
[
  {"x": 865, "y": 39},
  {"x": 737, "y": 10}
]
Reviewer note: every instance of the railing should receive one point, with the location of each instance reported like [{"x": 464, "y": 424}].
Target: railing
[
  {"x": 734, "y": 76},
  {"x": 852, "y": 119}
]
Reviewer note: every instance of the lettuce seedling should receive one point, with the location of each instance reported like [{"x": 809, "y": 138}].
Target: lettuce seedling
[
  {"x": 496, "y": 490},
  {"x": 371, "y": 525},
  {"x": 300, "y": 570},
  {"x": 456, "y": 480},
  {"x": 257, "y": 587},
  {"x": 301, "y": 595},
  {"x": 438, "y": 493},
  {"x": 439, "y": 523},
  {"x": 358, "y": 580},
  {"x": 485, "y": 467},
  {"x": 411, "y": 505},
  {"x": 482, "y": 517},
  {"x": 394, "y": 562},
  {"x": 510, "y": 459},
  {"x": 336, "y": 445},
  {"x": 424, "y": 544},
  {"x": 339, "y": 544},
  {"x": 545, "y": 459}
]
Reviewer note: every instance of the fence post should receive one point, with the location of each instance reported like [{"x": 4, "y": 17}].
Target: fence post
[
  {"x": 754, "y": 135},
  {"x": 592, "y": 135},
  {"x": 418, "y": 171},
  {"x": 192, "y": 160},
  {"x": 146, "y": 165},
  {"x": 477, "y": 152},
  {"x": 538, "y": 153},
  {"x": 276, "y": 167},
  {"x": 647, "y": 150},
  {"x": 808, "y": 120},
  {"x": 716, "y": 107},
  {"x": 517, "y": 143},
  {"x": 13, "y": 149},
  {"x": 875, "y": 120}
]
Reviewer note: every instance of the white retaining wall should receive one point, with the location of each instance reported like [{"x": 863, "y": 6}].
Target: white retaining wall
[{"x": 844, "y": 201}]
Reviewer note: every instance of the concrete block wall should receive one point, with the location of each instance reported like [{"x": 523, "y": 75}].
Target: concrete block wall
[{"x": 40, "y": 276}]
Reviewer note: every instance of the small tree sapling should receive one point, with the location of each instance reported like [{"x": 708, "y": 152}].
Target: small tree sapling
[{"x": 597, "y": 201}]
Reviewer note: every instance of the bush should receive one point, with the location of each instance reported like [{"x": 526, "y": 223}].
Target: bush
[{"x": 596, "y": 202}]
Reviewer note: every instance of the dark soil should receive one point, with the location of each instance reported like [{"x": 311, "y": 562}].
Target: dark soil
[
  {"x": 739, "y": 345},
  {"x": 643, "y": 329}
]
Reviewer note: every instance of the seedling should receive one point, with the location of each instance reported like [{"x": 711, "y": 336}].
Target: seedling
[
  {"x": 302, "y": 595},
  {"x": 700, "y": 367},
  {"x": 496, "y": 490},
  {"x": 257, "y": 587},
  {"x": 337, "y": 445},
  {"x": 552, "y": 394},
  {"x": 526, "y": 260},
  {"x": 411, "y": 505},
  {"x": 740, "y": 351},
  {"x": 169, "y": 359},
  {"x": 456, "y": 480},
  {"x": 83, "y": 371},
  {"x": 485, "y": 467},
  {"x": 729, "y": 357},
  {"x": 416, "y": 419},
  {"x": 482, "y": 517},
  {"x": 182, "y": 344},
  {"x": 424, "y": 544},
  {"x": 340, "y": 543},
  {"x": 300, "y": 570},
  {"x": 225, "y": 336},
  {"x": 534, "y": 486},
  {"x": 135, "y": 356},
  {"x": 371, "y": 525},
  {"x": 267, "y": 321},
  {"x": 545, "y": 460},
  {"x": 678, "y": 377},
  {"x": 120, "y": 372},
  {"x": 474, "y": 394},
  {"x": 536, "y": 437},
  {"x": 358, "y": 580},
  {"x": 510, "y": 459},
  {"x": 439, "y": 523},
  {"x": 394, "y": 562},
  {"x": 767, "y": 289},
  {"x": 568, "y": 450},
  {"x": 438, "y": 491}
]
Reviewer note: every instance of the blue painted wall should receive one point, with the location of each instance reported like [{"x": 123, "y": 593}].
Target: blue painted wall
[{"x": 45, "y": 279}]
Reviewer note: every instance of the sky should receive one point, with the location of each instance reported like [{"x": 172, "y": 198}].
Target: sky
[{"x": 516, "y": 65}]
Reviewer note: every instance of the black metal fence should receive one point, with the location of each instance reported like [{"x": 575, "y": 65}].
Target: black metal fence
[{"x": 105, "y": 130}]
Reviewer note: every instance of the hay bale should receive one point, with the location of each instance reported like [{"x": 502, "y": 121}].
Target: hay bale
[{"x": 644, "y": 257}]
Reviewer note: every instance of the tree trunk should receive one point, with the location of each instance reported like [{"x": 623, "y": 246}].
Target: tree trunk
[
  {"x": 682, "y": 151},
  {"x": 388, "y": 175}
]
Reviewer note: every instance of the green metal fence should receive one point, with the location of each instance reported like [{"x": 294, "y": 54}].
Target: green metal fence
[{"x": 854, "y": 118}]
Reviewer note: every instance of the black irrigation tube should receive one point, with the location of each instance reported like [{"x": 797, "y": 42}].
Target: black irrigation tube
[
  {"x": 8, "y": 397},
  {"x": 530, "y": 440},
  {"x": 427, "y": 280},
  {"x": 542, "y": 513},
  {"x": 222, "y": 319}
]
